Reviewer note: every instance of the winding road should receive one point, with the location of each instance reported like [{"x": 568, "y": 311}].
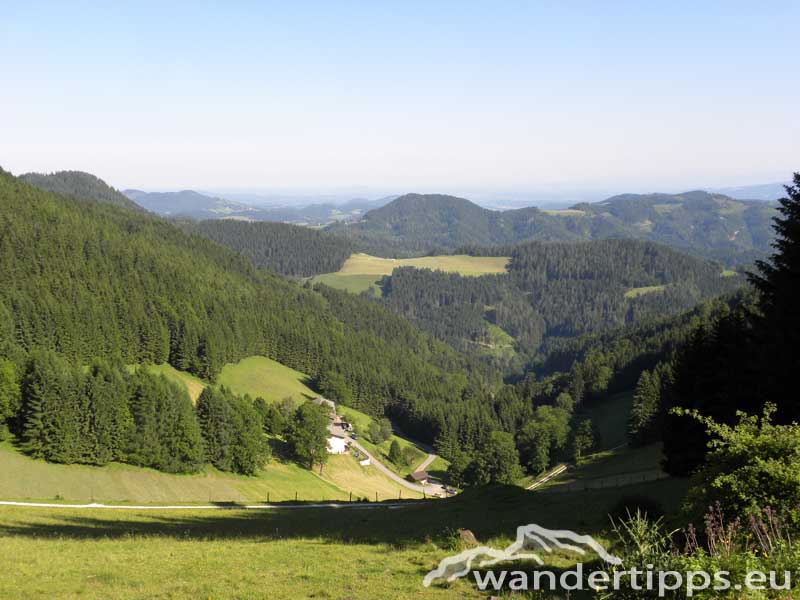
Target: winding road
[{"x": 430, "y": 489}]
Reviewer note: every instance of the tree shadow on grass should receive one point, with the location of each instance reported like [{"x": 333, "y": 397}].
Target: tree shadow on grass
[{"x": 490, "y": 512}]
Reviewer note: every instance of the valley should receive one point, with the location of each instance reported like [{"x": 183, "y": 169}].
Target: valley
[
  {"x": 399, "y": 301},
  {"x": 486, "y": 368}
]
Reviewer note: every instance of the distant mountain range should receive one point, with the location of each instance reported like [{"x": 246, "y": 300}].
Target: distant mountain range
[
  {"x": 709, "y": 225},
  {"x": 194, "y": 205},
  {"x": 766, "y": 191}
]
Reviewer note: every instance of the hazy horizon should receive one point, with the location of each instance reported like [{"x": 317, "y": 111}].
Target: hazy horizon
[{"x": 470, "y": 100}]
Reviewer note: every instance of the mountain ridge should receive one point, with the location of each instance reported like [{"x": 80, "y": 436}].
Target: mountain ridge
[
  {"x": 707, "y": 224},
  {"x": 81, "y": 185}
]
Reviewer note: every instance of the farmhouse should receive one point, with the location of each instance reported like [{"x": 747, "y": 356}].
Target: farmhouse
[{"x": 420, "y": 477}]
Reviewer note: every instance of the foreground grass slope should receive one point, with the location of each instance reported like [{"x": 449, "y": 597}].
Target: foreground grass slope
[{"x": 282, "y": 553}]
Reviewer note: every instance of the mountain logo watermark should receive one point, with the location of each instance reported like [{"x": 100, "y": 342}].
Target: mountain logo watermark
[{"x": 530, "y": 538}]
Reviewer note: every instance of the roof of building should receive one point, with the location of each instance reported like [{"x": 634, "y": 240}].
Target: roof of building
[
  {"x": 324, "y": 401},
  {"x": 419, "y": 475}
]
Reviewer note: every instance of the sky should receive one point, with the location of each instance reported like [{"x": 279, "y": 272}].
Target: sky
[{"x": 392, "y": 97}]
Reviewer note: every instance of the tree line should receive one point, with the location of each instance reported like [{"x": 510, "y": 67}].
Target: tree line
[
  {"x": 286, "y": 249},
  {"x": 69, "y": 414}
]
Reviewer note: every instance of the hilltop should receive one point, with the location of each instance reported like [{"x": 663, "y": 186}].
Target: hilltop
[
  {"x": 78, "y": 184},
  {"x": 709, "y": 225}
]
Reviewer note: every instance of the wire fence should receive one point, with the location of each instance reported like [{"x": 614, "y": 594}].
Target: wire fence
[{"x": 610, "y": 481}]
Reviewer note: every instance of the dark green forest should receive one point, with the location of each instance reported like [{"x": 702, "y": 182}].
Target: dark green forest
[
  {"x": 286, "y": 249},
  {"x": 80, "y": 185},
  {"x": 93, "y": 281},
  {"x": 555, "y": 291}
]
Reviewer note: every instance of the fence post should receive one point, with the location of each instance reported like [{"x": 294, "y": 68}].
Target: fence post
[
  {"x": 376, "y": 496},
  {"x": 295, "y": 496},
  {"x": 351, "y": 496},
  {"x": 267, "y": 497}
]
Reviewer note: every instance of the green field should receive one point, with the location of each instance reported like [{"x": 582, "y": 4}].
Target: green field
[
  {"x": 260, "y": 376},
  {"x": 281, "y": 553},
  {"x": 254, "y": 375},
  {"x": 565, "y": 212},
  {"x": 616, "y": 468},
  {"x": 641, "y": 291},
  {"x": 23, "y": 478},
  {"x": 350, "y": 283},
  {"x": 361, "y": 271},
  {"x": 194, "y": 385}
]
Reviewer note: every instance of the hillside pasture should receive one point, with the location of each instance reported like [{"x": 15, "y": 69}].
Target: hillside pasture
[
  {"x": 362, "y": 271},
  {"x": 565, "y": 212},
  {"x": 364, "y": 264},
  {"x": 641, "y": 291},
  {"x": 262, "y": 377},
  {"x": 23, "y": 478},
  {"x": 194, "y": 385}
]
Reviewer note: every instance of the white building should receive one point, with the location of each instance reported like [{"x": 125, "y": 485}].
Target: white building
[{"x": 336, "y": 445}]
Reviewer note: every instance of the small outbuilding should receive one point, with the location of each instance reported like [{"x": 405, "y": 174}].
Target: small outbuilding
[{"x": 420, "y": 477}]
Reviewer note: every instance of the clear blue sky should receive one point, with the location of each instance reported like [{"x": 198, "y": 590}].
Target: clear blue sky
[{"x": 397, "y": 96}]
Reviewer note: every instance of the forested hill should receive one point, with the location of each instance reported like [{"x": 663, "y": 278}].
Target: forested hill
[
  {"x": 709, "y": 225},
  {"x": 286, "y": 249},
  {"x": 90, "y": 280},
  {"x": 78, "y": 184},
  {"x": 555, "y": 291},
  {"x": 713, "y": 225},
  {"x": 417, "y": 224}
]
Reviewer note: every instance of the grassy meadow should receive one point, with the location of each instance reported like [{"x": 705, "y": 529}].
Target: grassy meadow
[
  {"x": 641, "y": 291},
  {"x": 25, "y": 479},
  {"x": 345, "y": 553},
  {"x": 362, "y": 271},
  {"x": 194, "y": 385},
  {"x": 261, "y": 376}
]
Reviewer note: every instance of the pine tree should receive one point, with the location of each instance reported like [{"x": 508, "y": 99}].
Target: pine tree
[
  {"x": 642, "y": 425},
  {"x": 10, "y": 398},
  {"x": 583, "y": 440},
  {"x": 396, "y": 454},
  {"x": 777, "y": 330}
]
